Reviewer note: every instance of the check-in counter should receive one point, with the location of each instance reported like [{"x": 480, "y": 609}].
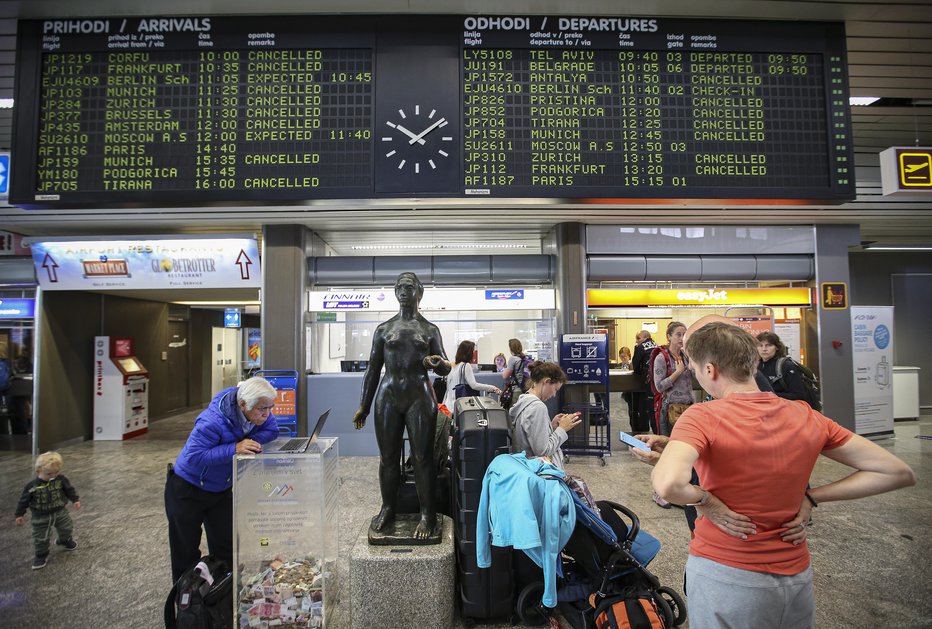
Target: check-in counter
[
  {"x": 625, "y": 381},
  {"x": 340, "y": 392}
]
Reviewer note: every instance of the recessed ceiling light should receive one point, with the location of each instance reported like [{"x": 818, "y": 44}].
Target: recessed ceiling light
[
  {"x": 899, "y": 248},
  {"x": 219, "y": 303},
  {"x": 377, "y": 247},
  {"x": 465, "y": 245},
  {"x": 6, "y": 103},
  {"x": 862, "y": 100}
]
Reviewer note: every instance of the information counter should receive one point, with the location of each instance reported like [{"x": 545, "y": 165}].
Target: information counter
[
  {"x": 625, "y": 381},
  {"x": 340, "y": 392},
  {"x": 285, "y": 538}
]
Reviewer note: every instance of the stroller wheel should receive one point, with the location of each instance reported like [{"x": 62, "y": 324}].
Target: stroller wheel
[
  {"x": 675, "y": 602},
  {"x": 663, "y": 607},
  {"x": 530, "y": 609}
]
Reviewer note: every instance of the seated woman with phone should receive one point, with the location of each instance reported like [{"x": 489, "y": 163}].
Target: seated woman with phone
[{"x": 534, "y": 433}]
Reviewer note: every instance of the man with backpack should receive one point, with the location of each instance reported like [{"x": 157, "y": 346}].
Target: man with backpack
[{"x": 643, "y": 401}]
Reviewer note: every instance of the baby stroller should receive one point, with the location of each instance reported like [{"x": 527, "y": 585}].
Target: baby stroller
[{"x": 603, "y": 556}]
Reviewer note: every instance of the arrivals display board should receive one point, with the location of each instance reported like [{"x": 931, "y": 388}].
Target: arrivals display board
[{"x": 152, "y": 111}]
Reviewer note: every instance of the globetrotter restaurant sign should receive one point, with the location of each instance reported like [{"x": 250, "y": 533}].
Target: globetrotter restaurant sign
[
  {"x": 147, "y": 262},
  {"x": 709, "y": 297}
]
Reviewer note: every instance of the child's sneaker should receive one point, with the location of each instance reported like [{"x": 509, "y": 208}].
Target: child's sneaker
[
  {"x": 69, "y": 545},
  {"x": 39, "y": 562}
]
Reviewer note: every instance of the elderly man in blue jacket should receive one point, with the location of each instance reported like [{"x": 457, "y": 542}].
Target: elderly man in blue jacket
[{"x": 199, "y": 488}]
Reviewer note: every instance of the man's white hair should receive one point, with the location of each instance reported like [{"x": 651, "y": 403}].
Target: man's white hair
[{"x": 252, "y": 390}]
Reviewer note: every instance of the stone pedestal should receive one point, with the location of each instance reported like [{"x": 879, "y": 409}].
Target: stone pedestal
[{"x": 403, "y": 586}]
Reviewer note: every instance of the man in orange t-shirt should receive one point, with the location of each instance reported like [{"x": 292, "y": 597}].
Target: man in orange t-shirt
[{"x": 754, "y": 454}]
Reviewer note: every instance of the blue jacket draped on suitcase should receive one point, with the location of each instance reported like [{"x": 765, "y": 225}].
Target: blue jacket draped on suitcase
[{"x": 520, "y": 508}]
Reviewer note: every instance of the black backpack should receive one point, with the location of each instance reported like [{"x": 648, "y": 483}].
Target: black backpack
[
  {"x": 812, "y": 395},
  {"x": 202, "y": 598},
  {"x": 440, "y": 388},
  {"x": 642, "y": 367}
]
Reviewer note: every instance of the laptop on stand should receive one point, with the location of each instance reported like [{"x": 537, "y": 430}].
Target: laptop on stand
[{"x": 300, "y": 444}]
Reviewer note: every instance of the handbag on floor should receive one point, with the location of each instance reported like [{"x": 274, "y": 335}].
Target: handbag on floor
[{"x": 202, "y": 597}]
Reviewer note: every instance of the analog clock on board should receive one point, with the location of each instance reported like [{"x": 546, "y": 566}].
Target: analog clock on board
[{"x": 416, "y": 139}]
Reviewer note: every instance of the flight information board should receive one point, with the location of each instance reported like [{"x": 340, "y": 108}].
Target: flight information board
[{"x": 206, "y": 110}]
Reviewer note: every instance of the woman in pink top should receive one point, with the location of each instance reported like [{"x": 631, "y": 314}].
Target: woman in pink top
[{"x": 754, "y": 453}]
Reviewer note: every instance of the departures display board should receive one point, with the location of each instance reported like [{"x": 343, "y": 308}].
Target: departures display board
[{"x": 114, "y": 112}]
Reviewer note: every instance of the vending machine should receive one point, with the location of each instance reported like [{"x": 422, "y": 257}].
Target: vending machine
[{"x": 121, "y": 390}]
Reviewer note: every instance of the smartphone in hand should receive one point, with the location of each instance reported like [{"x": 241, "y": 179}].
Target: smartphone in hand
[{"x": 631, "y": 441}]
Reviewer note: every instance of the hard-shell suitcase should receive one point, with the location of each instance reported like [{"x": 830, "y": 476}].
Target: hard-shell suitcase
[{"x": 480, "y": 433}]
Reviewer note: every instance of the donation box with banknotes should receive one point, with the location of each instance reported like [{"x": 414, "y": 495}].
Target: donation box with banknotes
[{"x": 285, "y": 543}]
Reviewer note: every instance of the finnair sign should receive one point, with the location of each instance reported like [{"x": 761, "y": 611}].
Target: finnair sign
[
  {"x": 516, "y": 293},
  {"x": 434, "y": 299}
]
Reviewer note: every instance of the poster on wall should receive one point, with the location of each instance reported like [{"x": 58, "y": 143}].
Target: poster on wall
[
  {"x": 543, "y": 341},
  {"x": 789, "y": 332},
  {"x": 754, "y": 324},
  {"x": 253, "y": 348},
  {"x": 584, "y": 358},
  {"x": 872, "y": 339}
]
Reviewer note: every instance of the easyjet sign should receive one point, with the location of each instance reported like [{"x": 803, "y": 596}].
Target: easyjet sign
[{"x": 624, "y": 297}]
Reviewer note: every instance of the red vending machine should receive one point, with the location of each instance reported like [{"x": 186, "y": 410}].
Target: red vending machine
[{"x": 121, "y": 390}]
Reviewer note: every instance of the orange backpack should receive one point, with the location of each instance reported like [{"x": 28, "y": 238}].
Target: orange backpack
[{"x": 631, "y": 610}]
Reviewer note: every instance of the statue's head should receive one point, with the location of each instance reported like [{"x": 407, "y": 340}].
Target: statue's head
[{"x": 408, "y": 283}]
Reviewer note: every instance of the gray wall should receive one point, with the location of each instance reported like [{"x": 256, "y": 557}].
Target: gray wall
[
  {"x": 904, "y": 281},
  {"x": 285, "y": 279},
  {"x": 70, "y": 321},
  {"x": 835, "y": 366},
  {"x": 64, "y": 383}
]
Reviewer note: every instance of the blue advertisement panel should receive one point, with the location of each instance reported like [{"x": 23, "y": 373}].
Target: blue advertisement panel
[
  {"x": 253, "y": 348},
  {"x": 584, "y": 358},
  {"x": 18, "y": 308}
]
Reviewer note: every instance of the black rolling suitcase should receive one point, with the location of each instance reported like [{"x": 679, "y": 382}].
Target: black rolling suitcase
[{"x": 480, "y": 432}]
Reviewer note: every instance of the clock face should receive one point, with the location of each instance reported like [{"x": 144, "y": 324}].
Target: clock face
[{"x": 417, "y": 139}]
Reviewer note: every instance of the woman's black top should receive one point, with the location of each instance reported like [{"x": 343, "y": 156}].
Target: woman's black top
[{"x": 790, "y": 386}]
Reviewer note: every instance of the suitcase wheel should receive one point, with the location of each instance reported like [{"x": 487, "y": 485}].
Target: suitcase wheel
[{"x": 530, "y": 609}]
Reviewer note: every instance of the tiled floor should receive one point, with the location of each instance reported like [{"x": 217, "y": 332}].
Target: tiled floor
[{"x": 872, "y": 558}]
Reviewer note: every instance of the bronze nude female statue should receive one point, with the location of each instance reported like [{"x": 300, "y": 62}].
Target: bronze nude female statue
[{"x": 407, "y": 345}]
